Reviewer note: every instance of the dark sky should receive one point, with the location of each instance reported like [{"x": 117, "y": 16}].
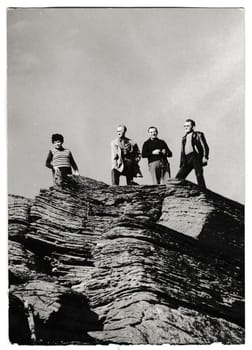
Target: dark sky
[{"x": 81, "y": 72}]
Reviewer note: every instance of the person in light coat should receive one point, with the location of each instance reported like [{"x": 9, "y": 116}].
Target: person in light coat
[{"x": 125, "y": 156}]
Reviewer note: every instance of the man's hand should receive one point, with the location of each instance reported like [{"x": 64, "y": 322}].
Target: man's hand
[
  {"x": 76, "y": 172},
  {"x": 204, "y": 161},
  {"x": 156, "y": 151},
  {"x": 57, "y": 171}
]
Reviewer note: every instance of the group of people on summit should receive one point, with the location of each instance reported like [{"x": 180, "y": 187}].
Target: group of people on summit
[{"x": 125, "y": 155}]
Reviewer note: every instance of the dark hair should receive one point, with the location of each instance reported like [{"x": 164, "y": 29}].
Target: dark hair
[
  {"x": 191, "y": 121},
  {"x": 57, "y": 137},
  {"x": 152, "y": 127}
]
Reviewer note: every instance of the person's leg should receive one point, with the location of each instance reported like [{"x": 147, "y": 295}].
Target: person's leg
[
  {"x": 61, "y": 174},
  {"x": 186, "y": 167},
  {"x": 199, "y": 172},
  {"x": 128, "y": 170},
  {"x": 65, "y": 171},
  {"x": 184, "y": 171},
  {"x": 158, "y": 171},
  {"x": 168, "y": 169},
  {"x": 155, "y": 171},
  {"x": 129, "y": 180},
  {"x": 115, "y": 177},
  {"x": 57, "y": 177},
  {"x": 137, "y": 170},
  {"x": 165, "y": 173}
]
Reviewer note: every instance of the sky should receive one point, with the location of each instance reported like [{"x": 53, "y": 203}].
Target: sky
[{"x": 82, "y": 72}]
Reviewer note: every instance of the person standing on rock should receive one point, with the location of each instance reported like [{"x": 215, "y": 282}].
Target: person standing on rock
[
  {"x": 60, "y": 160},
  {"x": 157, "y": 151},
  {"x": 125, "y": 156},
  {"x": 194, "y": 153}
]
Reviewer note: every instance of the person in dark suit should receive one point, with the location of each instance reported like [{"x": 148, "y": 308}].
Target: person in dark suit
[{"x": 194, "y": 154}]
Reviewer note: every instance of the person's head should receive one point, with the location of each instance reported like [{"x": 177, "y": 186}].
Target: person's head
[
  {"x": 153, "y": 132},
  {"x": 121, "y": 130},
  {"x": 189, "y": 125},
  {"x": 57, "y": 140}
]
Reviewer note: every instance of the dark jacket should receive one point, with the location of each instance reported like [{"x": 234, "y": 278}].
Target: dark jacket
[
  {"x": 151, "y": 145},
  {"x": 199, "y": 145}
]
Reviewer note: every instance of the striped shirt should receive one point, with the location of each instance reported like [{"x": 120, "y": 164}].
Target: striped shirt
[{"x": 60, "y": 158}]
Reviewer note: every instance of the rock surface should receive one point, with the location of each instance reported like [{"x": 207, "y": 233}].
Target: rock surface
[{"x": 101, "y": 264}]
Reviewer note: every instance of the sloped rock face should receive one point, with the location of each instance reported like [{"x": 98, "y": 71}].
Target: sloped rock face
[{"x": 103, "y": 264}]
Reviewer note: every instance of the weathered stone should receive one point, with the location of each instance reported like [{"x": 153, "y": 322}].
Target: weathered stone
[
  {"x": 128, "y": 264},
  {"x": 19, "y": 215},
  {"x": 22, "y": 263},
  {"x": 160, "y": 324},
  {"x": 60, "y": 314},
  {"x": 209, "y": 217}
]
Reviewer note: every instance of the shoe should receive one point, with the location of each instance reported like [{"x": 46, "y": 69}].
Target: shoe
[{"x": 133, "y": 183}]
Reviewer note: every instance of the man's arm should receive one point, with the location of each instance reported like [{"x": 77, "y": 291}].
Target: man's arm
[
  {"x": 115, "y": 155},
  {"x": 136, "y": 151},
  {"x": 49, "y": 160},
  {"x": 167, "y": 152},
  {"x": 146, "y": 152},
  {"x": 204, "y": 146},
  {"x": 73, "y": 163},
  {"x": 182, "y": 155}
]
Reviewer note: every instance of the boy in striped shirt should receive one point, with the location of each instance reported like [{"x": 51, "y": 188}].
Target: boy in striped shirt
[{"x": 60, "y": 160}]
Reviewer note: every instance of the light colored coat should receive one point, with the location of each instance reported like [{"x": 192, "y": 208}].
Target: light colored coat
[{"x": 116, "y": 153}]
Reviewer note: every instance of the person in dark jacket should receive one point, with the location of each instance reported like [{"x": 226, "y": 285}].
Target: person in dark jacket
[
  {"x": 194, "y": 154},
  {"x": 157, "y": 151}
]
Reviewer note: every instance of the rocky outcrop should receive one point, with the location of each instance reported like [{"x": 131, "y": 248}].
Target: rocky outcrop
[{"x": 101, "y": 264}]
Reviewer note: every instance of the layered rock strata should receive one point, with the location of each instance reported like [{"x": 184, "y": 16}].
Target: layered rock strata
[{"x": 103, "y": 264}]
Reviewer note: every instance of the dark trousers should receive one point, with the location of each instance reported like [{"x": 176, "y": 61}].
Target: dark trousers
[
  {"x": 128, "y": 171},
  {"x": 61, "y": 174},
  {"x": 192, "y": 161}
]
